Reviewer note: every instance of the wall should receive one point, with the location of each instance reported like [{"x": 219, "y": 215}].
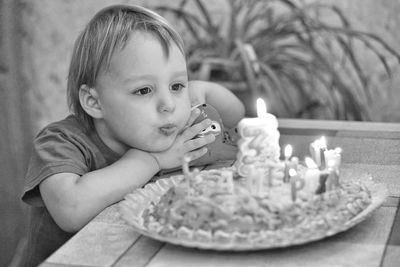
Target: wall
[
  {"x": 380, "y": 18},
  {"x": 51, "y": 26},
  {"x": 15, "y": 133}
]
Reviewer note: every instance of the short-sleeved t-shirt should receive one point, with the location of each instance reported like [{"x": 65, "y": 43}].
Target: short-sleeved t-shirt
[{"x": 63, "y": 146}]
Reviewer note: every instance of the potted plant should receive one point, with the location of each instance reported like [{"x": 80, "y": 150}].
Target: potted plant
[{"x": 284, "y": 52}]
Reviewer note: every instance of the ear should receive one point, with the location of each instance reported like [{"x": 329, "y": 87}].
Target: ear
[{"x": 90, "y": 102}]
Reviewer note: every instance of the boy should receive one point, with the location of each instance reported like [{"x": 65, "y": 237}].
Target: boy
[{"x": 131, "y": 101}]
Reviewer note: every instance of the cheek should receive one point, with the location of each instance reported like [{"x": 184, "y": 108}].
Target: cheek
[
  {"x": 122, "y": 118},
  {"x": 185, "y": 113},
  {"x": 134, "y": 131},
  {"x": 120, "y": 115},
  {"x": 117, "y": 106},
  {"x": 185, "y": 109}
]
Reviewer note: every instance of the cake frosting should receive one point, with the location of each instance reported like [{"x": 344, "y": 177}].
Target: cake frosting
[{"x": 205, "y": 206}]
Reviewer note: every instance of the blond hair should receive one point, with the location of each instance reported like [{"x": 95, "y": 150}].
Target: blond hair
[{"x": 108, "y": 31}]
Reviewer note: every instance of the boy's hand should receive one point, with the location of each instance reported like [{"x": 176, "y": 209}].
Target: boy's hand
[{"x": 186, "y": 144}]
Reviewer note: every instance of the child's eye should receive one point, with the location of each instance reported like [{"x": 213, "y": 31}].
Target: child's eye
[
  {"x": 143, "y": 91},
  {"x": 177, "y": 87}
]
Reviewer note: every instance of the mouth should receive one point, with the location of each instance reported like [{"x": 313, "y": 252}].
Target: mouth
[{"x": 168, "y": 129}]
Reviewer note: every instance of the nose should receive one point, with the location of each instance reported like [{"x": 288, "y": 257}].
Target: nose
[{"x": 166, "y": 103}]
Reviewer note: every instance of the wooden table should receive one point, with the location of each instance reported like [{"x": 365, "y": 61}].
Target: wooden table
[{"x": 369, "y": 148}]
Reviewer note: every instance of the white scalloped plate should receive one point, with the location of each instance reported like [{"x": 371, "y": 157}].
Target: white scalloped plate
[{"x": 136, "y": 202}]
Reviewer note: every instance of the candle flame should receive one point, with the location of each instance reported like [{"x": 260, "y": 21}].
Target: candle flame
[
  {"x": 288, "y": 151},
  {"x": 331, "y": 163},
  {"x": 322, "y": 142},
  {"x": 292, "y": 172},
  {"x": 338, "y": 150},
  {"x": 310, "y": 163},
  {"x": 261, "y": 108},
  {"x": 186, "y": 159}
]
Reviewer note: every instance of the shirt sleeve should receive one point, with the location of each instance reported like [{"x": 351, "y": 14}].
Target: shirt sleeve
[{"x": 53, "y": 152}]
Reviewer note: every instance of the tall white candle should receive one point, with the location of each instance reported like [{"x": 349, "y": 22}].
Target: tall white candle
[{"x": 259, "y": 141}]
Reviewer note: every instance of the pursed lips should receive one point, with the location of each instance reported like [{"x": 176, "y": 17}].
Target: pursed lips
[{"x": 168, "y": 129}]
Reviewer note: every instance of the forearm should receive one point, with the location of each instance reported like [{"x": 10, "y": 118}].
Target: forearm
[
  {"x": 230, "y": 108},
  {"x": 89, "y": 194}
]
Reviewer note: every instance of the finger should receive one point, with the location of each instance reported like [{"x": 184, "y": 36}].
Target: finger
[
  {"x": 193, "y": 116},
  {"x": 195, "y": 129},
  {"x": 197, "y": 143},
  {"x": 195, "y": 154}
]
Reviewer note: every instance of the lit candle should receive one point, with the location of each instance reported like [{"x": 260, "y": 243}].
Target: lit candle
[
  {"x": 185, "y": 165},
  {"x": 289, "y": 163},
  {"x": 296, "y": 183},
  {"x": 317, "y": 149},
  {"x": 334, "y": 156},
  {"x": 259, "y": 141},
  {"x": 189, "y": 176},
  {"x": 333, "y": 176},
  {"x": 186, "y": 171},
  {"x": 311, "y": 175}
]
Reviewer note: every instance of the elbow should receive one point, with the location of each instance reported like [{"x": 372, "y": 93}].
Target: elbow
[
  {"x": 69, "y": 219},
  {"x": 63, "y": 200},
  {"x": 70, "y": 226},
  {"x": 236, "y": 111},
  {"x": 240, "y": 110}
]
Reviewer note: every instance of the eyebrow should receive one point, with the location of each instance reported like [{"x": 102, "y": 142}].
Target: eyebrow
[{"x": 149, "y": 77}]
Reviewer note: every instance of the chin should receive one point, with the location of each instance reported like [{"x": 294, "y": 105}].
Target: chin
[{"x": 160, "y": 145}]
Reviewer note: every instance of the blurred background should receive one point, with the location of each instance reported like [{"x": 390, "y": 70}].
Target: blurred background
[{"x": 314, "y": 59}]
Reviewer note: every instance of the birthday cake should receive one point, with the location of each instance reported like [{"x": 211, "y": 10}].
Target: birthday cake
[
  {"x": 211, "y": 208},
  {"x": 261, "y": 201}
]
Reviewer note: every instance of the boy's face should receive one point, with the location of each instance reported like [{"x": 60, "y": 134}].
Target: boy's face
[{"x": 143, "y": 96}]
